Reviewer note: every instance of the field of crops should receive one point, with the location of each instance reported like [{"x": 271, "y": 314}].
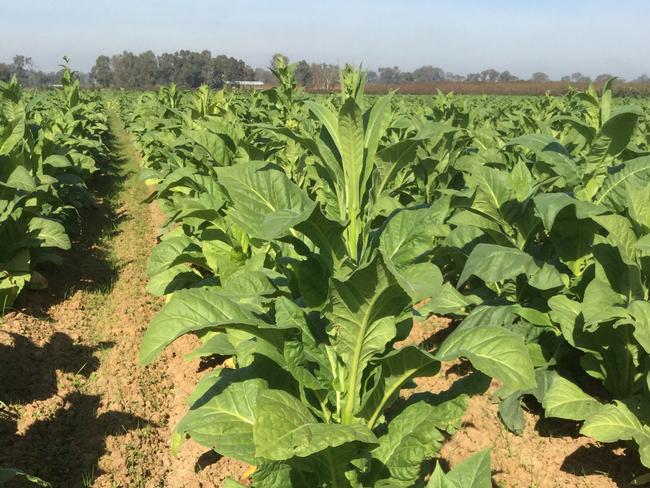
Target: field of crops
[{"x": 335, "y": 254}]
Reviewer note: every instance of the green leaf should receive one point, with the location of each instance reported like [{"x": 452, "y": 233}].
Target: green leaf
[
  {"x": 635, "y": 172},
  {"x": 49, "y": 233},
  {"x": 474, "y": 472},
  {"x": 414, "y": 436},
  {"x": 165, "y": 275},
  {"x": 285, "y": 428},
  {"x": 640, "y": 310},
  {"x": 13, "y": 132},
  {"x": 223, "y": 419},
  {"x": 614, "y": 422},
  {"x": 493, "y": 263},
  {"x": 550, "y": 205},
  {"x": 615, "y": 133},
  {"x": 7, "y": 475},
  {"x": 266, "y": 204},
  {"x": 352, "y": 141},
  {"x": 230, "y": 483},
  {"x": 446, "y": 301},
  {"x": 407, "y": 236},
  {"x": 494, "y": 351},
  {"x": 362, "y": 310},
  {"x": 189, "y": 311},
  {"x": 397, "y": 368},
  {"x": 564, "y": 399}
]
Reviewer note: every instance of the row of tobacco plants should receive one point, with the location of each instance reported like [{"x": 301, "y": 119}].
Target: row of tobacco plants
[
  {"x": 306, "y": 237},
  {"x": 51, "y": 142},
  {"x": 50, "y": 145}
]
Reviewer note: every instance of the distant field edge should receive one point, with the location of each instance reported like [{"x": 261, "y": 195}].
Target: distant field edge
[{"x": 499, "y": 88}]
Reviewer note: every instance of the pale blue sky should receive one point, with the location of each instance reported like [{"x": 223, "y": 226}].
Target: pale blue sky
[{"x": 558, "y": 37}]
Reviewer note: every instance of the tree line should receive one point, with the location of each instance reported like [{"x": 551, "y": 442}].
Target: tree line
[{"x": 191, "y": 69}]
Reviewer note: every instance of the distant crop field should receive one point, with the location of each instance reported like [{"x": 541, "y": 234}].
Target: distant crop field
[{"x": 502, "y": 88}]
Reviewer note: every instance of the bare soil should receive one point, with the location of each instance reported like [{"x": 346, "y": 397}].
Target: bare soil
[{"x": 79, "y": 411}]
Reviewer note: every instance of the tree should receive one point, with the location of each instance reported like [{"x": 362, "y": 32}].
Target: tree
[
  {"x": 303, "y": 73},
  {"x": 406, "y": 77},
  {"x": 540, "y": 77},
  {"x": 489, "y": 75},
  {"x": 6, "y": 71},
  {"x": 507, "y": 77},
  {"x": 124, "y": 69},
  {"x": 565, "y": 79},
  {"x": 146, "y": 69},
  {"x": 389, "y": 75},
  {"x": 263, "y": 74},
  {"x": 191, "y": 67},
  {"x": 580, "y": 78},
  {"x": 101, "y": 73},
  {"x": 324, "y": 76},
  {"x": 22, "y": 65},
  {"x": 642, "y": 79},
  {"x": 449, "y": 76},
  {"x": 427, "y": 74},
  {"x": 372, "y": 76},
  {"x": 602, "y": 78},
  {"x": 225, "y": 68}
]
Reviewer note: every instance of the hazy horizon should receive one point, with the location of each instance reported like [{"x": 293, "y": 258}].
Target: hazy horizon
[{"x": 558, "y": 38}]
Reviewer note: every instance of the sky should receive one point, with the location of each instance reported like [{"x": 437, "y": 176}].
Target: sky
[{"x": 523, "y": 36}]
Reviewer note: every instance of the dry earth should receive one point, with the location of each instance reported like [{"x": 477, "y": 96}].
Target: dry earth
[{"x": 79, "y": 411}]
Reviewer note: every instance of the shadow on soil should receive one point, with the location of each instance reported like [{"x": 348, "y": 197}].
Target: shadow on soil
[
  {"x": 619, "y": 462},
  {"x": 88, "y": 265},
  {"x": 68, "y": 437},
  {"x": 28, "y": 372},
  {"x": 64, "y": 446}
]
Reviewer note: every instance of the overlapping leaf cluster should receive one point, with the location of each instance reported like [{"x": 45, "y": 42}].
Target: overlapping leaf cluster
[
  {"x": 50, "y": 145},
  {"x": 297, "y": 243},
  {"x": 305, "y": 234}
]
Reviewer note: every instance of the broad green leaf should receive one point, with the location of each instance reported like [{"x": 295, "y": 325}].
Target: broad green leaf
[
  {"x": 362, "y": 311},
  {"x": 285, "y": 428},
  {"x": 494, "y": 351},
  {"x": 549, "y": 206},
  {"x": 414, "y": 436},
  {"x": 493, "y": 263},
  {"x": 614, "y": 422},
  {"x": 224, "y": 419},
  {"x": 565, "y": 400},
  {"x": 13, "y": 132},
  {"x": 49, "y": 233},
  {"x": 397, "y": 368},
  {"x": 640, "y": 310},
  {"x": 474, "y": 472},
  {"x": 407, "y": 236},
  {"x": 635, "y": 172},
  {"x": 189, "y": 311},
  {"x": 265, "y": 202}
]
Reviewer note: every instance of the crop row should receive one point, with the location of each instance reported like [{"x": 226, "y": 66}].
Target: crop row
[
  {"x": 306, "y": 237},
  {"x": 51, "y": 143}
]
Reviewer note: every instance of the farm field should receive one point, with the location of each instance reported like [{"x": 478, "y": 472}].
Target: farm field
[{"x": 278, "y": 289}]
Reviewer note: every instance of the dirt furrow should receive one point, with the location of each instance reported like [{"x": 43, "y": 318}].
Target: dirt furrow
[{"x": 78, "y": 410}]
